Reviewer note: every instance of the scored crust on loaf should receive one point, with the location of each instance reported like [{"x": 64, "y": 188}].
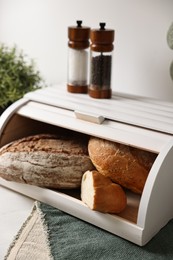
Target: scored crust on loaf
[
  {"x": 46, "y": 160},
  {"x": 101, "y": 194},
  {"x": 125, "y": 165}
]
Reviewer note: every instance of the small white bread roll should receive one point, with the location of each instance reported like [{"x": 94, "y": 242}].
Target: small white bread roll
[{"x": 100, "y": 193}]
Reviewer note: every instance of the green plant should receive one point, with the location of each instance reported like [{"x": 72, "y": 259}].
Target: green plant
[
  {"x": 170, "y": 44},
  {"x": 17, "y": 75}
]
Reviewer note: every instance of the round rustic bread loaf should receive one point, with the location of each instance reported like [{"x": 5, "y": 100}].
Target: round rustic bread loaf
[
  {"x": 125, "y": 165},
  {"x": 100, "y": 193},
  {"x": 46, "y": 160}
]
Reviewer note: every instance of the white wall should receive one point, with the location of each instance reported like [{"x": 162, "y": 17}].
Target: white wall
[{"x": 141, "y": 57}]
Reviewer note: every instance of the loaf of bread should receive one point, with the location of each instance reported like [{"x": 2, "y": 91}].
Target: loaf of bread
[
  {"x": 46, "y": 160},
  {"x": 125, "y": 165},
  {"x": 100, "y": 193}
]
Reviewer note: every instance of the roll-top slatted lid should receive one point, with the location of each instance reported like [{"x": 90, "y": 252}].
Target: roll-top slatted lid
[{"x": 132, "y": 110}]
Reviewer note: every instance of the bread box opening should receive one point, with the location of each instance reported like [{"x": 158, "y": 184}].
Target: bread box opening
[{"x": 20, "y": 126}]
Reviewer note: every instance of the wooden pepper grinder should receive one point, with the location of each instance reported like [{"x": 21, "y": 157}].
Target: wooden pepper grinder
[
  {"x": 101, "y": 62},
  {"x": 78, "y": 58}
]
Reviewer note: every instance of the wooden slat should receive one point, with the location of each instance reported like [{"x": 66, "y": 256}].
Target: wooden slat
[
  {"x": 139, "y": 112},
  {"x": 111, "y": 130}
]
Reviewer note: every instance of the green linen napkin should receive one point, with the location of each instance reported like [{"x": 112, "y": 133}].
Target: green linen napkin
[{"x": 67, "y": 237}]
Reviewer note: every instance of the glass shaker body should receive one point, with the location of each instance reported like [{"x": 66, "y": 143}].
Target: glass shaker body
[
  {"x": 78, "y": 59},
  {"x": 78, "y": 69},
  {"x": 100, "y": 74},
  {"x": 101, "y": 62}
]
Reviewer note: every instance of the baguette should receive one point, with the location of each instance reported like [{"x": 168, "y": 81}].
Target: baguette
[
  {"x": 101, "y": 194},
  {"x": 46, "y": 160}
]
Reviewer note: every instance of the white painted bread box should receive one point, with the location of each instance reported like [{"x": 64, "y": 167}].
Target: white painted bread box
[{"x": 136, "y": 121}]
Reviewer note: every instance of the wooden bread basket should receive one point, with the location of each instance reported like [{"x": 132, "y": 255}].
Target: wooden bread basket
[{"x": 136, "y": 121}]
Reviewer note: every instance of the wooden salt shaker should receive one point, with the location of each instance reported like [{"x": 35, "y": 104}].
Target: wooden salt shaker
[{"x": 78, "y": 58}]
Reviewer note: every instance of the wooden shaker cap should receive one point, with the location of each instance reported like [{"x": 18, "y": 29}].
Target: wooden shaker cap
[
  {"x": 78, "y": 36},
  {"x": 102, "y": 39}
]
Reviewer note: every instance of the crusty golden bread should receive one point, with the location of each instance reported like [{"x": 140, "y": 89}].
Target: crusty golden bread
[
  {"x": 101, "y": 194},
  {"x": 125, "y": 165}
]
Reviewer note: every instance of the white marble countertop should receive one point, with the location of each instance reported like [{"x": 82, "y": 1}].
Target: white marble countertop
[{"x": 14, "y": 210}]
